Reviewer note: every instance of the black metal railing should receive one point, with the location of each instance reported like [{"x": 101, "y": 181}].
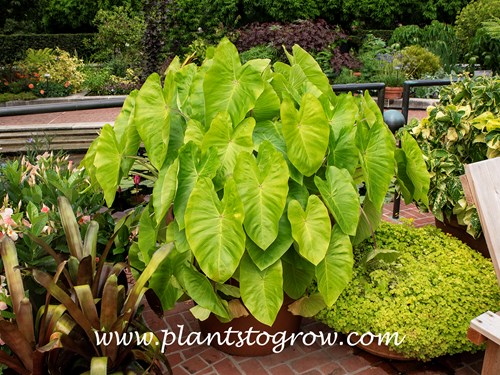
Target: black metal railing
[{"x": 379, "y": 87}]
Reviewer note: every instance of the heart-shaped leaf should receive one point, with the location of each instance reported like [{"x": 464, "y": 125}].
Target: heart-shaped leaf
[
  {"x": 214, "y": 229},
  {"x": 263, "y": 187},
  {"x": 261, "y": 291},
  {"x": 306, "y": 133},
  {"x": 310, "y": 228}
]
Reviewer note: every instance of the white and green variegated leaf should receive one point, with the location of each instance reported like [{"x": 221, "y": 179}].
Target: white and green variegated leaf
[
  {"x": 261, "y": 291},
  {"x": 376, "y": 147},
  {"x": 230, "y": 87},
  {"x": 107, "y": 162},
  {"x": 334, "y": 272},
  {"x": 306, "y": 133},
  {"x": 192, "y": 165},
  {"x": 262, "y": 184},
  {"x": 152, "y": 120},
  {"x": 310, "y": 228},
  {"x": 127, "y": 137},
  {"x": 264, "y": 258},
  {"x": 340, "y": 197},
  {"x": 214, "y": 229},
  {"x": 228, "y": 141},
  {"x": 164, "y": 190}
]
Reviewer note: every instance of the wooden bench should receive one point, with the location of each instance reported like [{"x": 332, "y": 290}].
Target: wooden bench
[
  {"x": 74, "y": 138},
  {"x": 482, "y": 187}
]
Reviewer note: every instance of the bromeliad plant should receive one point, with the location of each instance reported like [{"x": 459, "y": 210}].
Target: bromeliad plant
[
  {"x": 463, "y": 128},
  {"x": 84, "y": 300},
  {"x": 261, "y": 165}
]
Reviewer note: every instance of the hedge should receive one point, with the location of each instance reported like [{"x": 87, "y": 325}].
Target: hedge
[{"x": 13, "y": 47}]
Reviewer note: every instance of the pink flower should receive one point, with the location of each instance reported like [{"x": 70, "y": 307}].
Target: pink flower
[
  {"x": 84, "y": 219},
  {"x": 137, "y": 179},
  {"x": 44, "y": 209}
]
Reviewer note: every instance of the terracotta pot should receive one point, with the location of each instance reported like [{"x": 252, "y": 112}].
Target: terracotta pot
[
  {"x": 285, "y": 321},
  {"x": 393, "y": 93},
  {"x": 460, "y": 231},
  {"x": 383, "y": 351}
]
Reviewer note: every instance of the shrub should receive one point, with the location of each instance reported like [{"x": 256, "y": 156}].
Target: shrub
[
  {"x": 459, "y": 129},
  {"x": 259, "y": 52},
  {"x": 7, "y": 97},
  {"x": 310, "y": 35},
  {"x": 332, "y": 60},
  {"x": 119, "y": 36},
  {"x": 438, "y": 38},
  {"x": 64, "y": 70},
  {"x": 425, "y": 294},
  {"x": 14, "y": 47},
  {"x": 417, "y": 61},
  {"x": 281, "y": 11},
  {"x": 478, "y": 44}
]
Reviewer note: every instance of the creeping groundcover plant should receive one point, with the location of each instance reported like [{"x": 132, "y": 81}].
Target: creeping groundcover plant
[
  {"x": 259, "y": 166},
  {"x": 422, "y": 293}
]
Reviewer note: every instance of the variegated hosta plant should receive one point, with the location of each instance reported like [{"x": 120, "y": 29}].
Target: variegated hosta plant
[
  {"x": 85, "y": 301},
  {"x": 464, "y": 127},
  {"x": 261, "y": 164}
]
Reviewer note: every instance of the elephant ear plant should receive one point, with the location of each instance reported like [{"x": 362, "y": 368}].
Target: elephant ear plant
[
  {"x": 261, "y": 165},
  {"x": 85, "y": 304}
]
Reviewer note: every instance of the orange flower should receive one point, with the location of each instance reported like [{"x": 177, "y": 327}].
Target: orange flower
[
  {"x": 36, "y": 75},
  {"x": 67, "y": 84},
  {"x": 42, "y": 92},
  {"x": 31, "y": 86}
]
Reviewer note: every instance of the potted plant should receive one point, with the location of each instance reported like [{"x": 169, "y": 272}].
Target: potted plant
[
  {"x": 393, "y": 78},
  {"x": 414, "y": 290},
  {"x": 260, "y": 165},
  {"x": 84, "y": 302},
  {"x": 461, "y": 128}
]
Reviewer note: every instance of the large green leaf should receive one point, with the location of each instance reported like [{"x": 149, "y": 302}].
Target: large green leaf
[
  {"x": 126, "y": 133},
  {"x": 267, "y": 106},
  {"x": 310, "y": 68},
  {"x": 200, "y": 289},
  {"x": 264, "y": 258},
  {"x": 263, "y": 187},
  {"x": 298, "y": 273},
  {"x": 164, "y": 190},
  {"x": 230, "y": 87},
  {"x": 416, "y": 168},
  {"x": 152, "y": 119},
  {"x": 369, "y": 110},
  {"x": 192, "y": 165},
  {"x": 306, "y": 133},
  {"x": 369, "y": 220},
  {"x": 195, "y": 106},
  {"x": 340, "y": 197},
  {"x": 184, "y": 80},
  {"x": 335, "y": 271},
  {"x": 310, "y": 228},
  {"x": 342, "y": 150},
  {"x": 214, "y": 229},
  {"x": 229, "y": 142},
  {"x": 261, "y": 291},
  {"x": 148, "y": 232},
  {"x": 107, "y": 163},
  {"x": 376, "y": 146},
  {"x": 163, "y": 281}
]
